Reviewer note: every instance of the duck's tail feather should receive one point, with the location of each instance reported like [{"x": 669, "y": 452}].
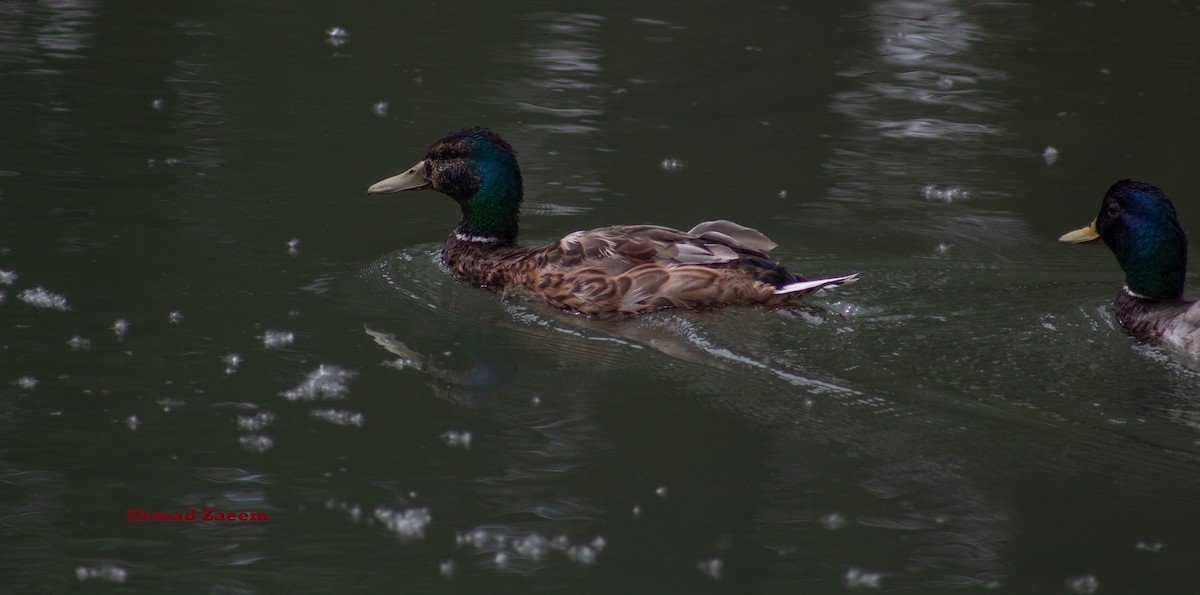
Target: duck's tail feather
[{"x": 803, "y": 287}]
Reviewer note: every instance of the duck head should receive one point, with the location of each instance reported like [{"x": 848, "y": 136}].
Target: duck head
[
  {"x": 1138, "y": 223},
  {"x": 476, "y": 168}
]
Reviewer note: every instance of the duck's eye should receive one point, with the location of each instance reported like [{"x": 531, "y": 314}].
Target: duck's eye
[
  {"x": 1113, "y": 210},
  {"x": 451, "y": 153}
]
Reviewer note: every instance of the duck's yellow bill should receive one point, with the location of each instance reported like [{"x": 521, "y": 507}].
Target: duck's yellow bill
[
  {"x": 413, "y": 179},
  {"x": 1083, "y": 235}
]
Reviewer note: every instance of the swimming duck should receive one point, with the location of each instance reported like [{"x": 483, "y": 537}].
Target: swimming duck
[
  {"x": 619, "y": 270},
  {"x": 1138, "y": 222}
]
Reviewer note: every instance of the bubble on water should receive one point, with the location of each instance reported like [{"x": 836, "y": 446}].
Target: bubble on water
[
  {"x": 339, "y": 417},
  {"x": 380, "y": 108},
  {"x": 1050, "y": 155},
  {"x": 714, "y": 568},
  {"x": 293, "y": 247},
  {"x": 856, "y": 578},
  {"x": 169, "y": 404},
  {"x": 256, "y": 443},
  {"x": 133, "y": 422},
  {"x": 256, "y": 422},
  {"x": 120, "y": 328},
  {"x": 1083, "y": 585},
  {"x": 175, "y": 317},
  {"x": 783, "y": 194},
  {"x": 941, "y": 248},
  {"x": 500, "y": 560},
  {"x": 328, "y": 381},
  {"x": 27, "y": 382},
  {"x": 8, "y": 277},
  {"x": 109, "y": 573},
  {"x": 672, "y": 164},
  {"x": 947, "y": 194},
  {"x": 278, "y": 339},
  {"x": 637, "y": 511},
  {"x": 661, "y": 491},
  {"x": 833, "y": 521},
  {"x": 457, "y": 439},
  {"x": 446, "y": 568},
  {"x": 1152, "y": 547},
  {"x": 406, "y": 524},
  {"x": 78, "y": 343},
  {"x": 232, "y": 361},
  {"x": 42, "y": 298},
  {"x": 157, "y": 103}
]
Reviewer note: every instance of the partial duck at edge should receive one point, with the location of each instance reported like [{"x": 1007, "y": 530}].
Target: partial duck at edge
[{"x": 1138, "y": 223}]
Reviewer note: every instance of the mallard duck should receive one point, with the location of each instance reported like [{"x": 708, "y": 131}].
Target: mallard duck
[
  {"x": 619, "y": 270},
  {"x": 1138, "y": 222}
]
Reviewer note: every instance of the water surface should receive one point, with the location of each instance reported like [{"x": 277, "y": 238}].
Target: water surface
[{"x": 199, "y": 308}]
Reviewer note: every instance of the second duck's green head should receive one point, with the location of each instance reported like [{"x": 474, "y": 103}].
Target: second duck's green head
[
  {"x": 1138, "y": 222},
  {"x": 476, "y": 168}
]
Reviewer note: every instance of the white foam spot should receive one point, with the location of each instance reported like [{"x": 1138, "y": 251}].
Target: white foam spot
[
  {"x": 1152, "y": 547},
  {"x": 108, "y": 573},
  {"x": 8, "y": 277},
  {"x": 328, "y": 381},
  {"x": 406, "y": 524},
  {"x": 293, "y": 247},
  {"x": 661, "y": 492},
  {"x": 27, "y": 382},
  {"x": 157, "y": 104},
  {"x": 336, "y": 37},
  {"x": 278, "y": 339},
  {"x": 1050, "y": 155},
  {"x": 833, "y": 521},
  {"x": 256, "y": 422},
  {"x": 380, "y": 108},
  {"x": 120, "y": 328},
  {"x": 1083, "y": 585},
  {"x": 133, "y": 422},
  {"x": 671, "y": 164},
  {"x": 713, "y": 568},
  {"x": 256, "y": 443},
  {"x": 856, "y": 578},
  {"x": 175, "y": 317},
  {"x": 457, "y": 439},
  {"x": 446, "y": 568},
  {"x": 232, "y": 361},
  {"x": 78, "y": 343},
  {"x": 339, "y": 417},
  {"x": 41, "y": 298},
  {"x": 947, "y": 194}
]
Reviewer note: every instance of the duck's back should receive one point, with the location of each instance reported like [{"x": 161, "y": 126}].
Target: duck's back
[{"x": 632, "y": 269}]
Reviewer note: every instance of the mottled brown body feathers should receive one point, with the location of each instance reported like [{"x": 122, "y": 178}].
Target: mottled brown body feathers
[{"x": 629, "y": 269}]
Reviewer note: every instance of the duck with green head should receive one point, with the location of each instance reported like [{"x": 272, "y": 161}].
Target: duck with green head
[
  {"x": 1138, "y": 223},
  {"x": 619, "y": 270}
]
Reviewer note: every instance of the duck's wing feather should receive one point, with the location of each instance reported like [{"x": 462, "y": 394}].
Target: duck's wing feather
[{"x": 637, "y": 268}]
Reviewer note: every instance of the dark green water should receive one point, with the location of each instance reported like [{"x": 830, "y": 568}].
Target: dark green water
[{"x": 967, "y": 417}]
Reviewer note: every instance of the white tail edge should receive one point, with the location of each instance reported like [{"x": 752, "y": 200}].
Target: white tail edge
[{"x": 815, "y": 284}]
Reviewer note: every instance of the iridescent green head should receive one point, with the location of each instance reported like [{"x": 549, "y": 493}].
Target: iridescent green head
[
  {"x": 1138, "y": 222},
  {"x": 476, "y": 168}
]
